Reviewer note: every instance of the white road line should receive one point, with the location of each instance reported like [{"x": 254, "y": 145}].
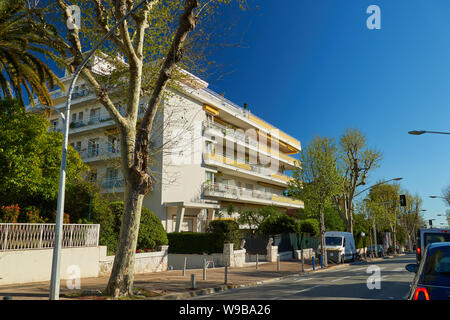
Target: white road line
[
  {"x": 340, "y": 279},
  {"x": 359, "y": 269},
  {"x": 307, "y": 289},
  {"x": 304, "y": 279},
  {"x": 399, "y": 269}
]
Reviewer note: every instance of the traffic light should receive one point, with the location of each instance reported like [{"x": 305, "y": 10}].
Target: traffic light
[
  {"x": 403, "y": 200},
  {"x": 430, "y": 222}
]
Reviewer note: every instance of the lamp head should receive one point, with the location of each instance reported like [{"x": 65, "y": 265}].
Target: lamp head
[{"x": 417, "y": 132}]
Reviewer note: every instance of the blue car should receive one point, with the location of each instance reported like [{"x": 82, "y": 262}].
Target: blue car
[{"x": 432, "y": 280}]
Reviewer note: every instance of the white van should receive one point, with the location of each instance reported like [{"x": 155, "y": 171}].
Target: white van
[{"x": 342, "y": 244}]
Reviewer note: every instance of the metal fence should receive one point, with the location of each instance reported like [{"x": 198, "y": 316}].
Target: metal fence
[{"x": 25, "y": 236}]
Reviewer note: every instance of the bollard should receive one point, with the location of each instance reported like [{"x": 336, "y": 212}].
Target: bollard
[
  {"x": 204, "y": 269},
  {"x": 321, "y": 261},
  {"x": 184, "y": 266},
  {"x": 192, "y": 281},
  {"x": 278, "y": 263},
  {"x": 303, "y": 262},
  {"x": 257, "y": 261},
  {"x": 226, "y": 273},
  {"x": 314, "y": 264}
]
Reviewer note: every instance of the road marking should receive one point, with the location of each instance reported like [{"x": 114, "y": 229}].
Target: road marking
[
  {"x": 398, "y": 269},
  {"x": 299, "y": 280},
  {"x": 359, "y": 269},
  {"x": 340, "y": 279},
  {"x": 307, "y": 289}
]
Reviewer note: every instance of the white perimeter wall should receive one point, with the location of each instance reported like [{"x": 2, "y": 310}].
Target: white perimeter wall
[{"x": 35, "y": 265}]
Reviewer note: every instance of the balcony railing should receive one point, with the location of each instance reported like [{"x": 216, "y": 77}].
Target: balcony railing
[
  {"x": 112, "y": 183},
  {"x": 245, "y": 139},
  {"x": 25, "y": 236},
  {"x": 241, "y": 163},
  {"x": 230, "y": 132},
  {"x": 228, "y": 191},
  {"x": 235, "y": 192}
]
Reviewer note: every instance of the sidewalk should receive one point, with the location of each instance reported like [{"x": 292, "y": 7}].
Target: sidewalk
[{"x": 168, "y": 284}]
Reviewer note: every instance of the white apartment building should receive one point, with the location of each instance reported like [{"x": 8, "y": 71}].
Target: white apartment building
[{"x": 211, "y": 157}]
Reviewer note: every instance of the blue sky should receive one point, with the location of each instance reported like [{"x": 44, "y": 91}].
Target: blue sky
[{"x": 313, "y": 68}]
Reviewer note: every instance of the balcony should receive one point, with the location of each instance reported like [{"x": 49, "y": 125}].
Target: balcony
[
  {"x": 101, "y": 152},
  {"x": 113, "y": 183},
  {"x": 268, "y": 173},
  {"x": 238, "y": 136},
  {"x": 221, "y": 190},
  {"x": 230, "y": 133}
]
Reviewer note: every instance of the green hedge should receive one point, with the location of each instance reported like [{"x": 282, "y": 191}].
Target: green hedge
[
  {"x": 151, "y": 231},
  {"x": 218, "y": 233},
  {"x": 279, "y": 224},
  {"x": 194, "y": 242},
  {"x": 227, "y": 231}
]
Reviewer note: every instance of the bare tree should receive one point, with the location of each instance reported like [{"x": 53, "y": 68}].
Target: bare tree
[{"x": 146, "y": 55}]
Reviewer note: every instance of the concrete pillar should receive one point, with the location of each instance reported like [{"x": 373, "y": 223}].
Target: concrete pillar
[
  {"x": 210, "y": 216},
  {"x": 228, "y": 254},
  {"x": 180, "y": 218},
  {"x": 272, "y": 252}
]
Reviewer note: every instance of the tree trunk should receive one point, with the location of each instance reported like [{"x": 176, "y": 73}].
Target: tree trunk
[{"x": 122, "y": 274}]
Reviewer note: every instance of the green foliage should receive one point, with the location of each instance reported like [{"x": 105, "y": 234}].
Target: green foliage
[
  {"x": 309, "y": 226},
  {"x": 21, "y": 38},
  {"x": 151, "y": 231},
  {"x": 30, "y": 160},
  {"x": 194, "y": 242},
  {"x": 279, "y": 224},
  {"x": 227, "y": 231},
  {"x": 254, "y": 218}
]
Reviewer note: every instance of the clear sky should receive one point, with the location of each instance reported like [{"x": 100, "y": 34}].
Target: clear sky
[{"x": 312, "y": 67}]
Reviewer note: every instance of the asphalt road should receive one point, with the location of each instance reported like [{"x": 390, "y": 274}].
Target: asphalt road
[{"x": 343, "y": 283}]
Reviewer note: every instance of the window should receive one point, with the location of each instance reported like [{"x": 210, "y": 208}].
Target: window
[
  {"x": 54, "y": 123},
  {"x": 74, "y": 117},
  {"x": 437, "y": 266},
  {"x": 333, "y": 241},
  {"x": 209, "y": 177},
  {"x": 113, "y": 144},
  {"x": 80, "y": 116},
  {"x": 94, "y": 116},
  {"x": 93, "y": 147},
  {"x": 436, "y": 237},
  {"x": 78, "y": 146}
]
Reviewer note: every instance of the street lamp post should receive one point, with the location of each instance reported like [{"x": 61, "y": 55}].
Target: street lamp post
[{"x": 55, "y": 275}]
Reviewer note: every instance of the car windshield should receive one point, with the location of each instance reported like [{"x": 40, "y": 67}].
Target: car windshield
[
  {"x": 436, "y": 237},
  {"x": 437, "y": 264},
  {"x": 333, "y": 241}
]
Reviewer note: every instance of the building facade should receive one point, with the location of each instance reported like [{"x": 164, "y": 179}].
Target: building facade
[{"x": 210, "y": 157}]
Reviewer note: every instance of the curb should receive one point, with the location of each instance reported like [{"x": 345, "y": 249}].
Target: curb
[{"x": 225, "y": 287}]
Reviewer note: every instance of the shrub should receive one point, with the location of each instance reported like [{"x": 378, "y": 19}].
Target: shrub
[
  {"x": 310, "y": 226},
  {"x": 227, "y": 231},
  {"x": 151, "y": 231},
  {"x": 279, "y": 224},
  {"x": 194, "y": 242},
  {"x": 9, "y": 214}
]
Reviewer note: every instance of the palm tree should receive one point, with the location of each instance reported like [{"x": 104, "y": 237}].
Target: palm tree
[{"x": 21, "y": 38}]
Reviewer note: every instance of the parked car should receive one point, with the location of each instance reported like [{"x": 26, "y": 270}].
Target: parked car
[
  {"x": 426, "y": 236},
  {"x": 432, "y": 279},
  {"x": 340, "y": 246}
]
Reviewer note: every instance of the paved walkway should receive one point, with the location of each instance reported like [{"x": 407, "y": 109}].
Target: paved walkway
[{"x": 168, "y": 284}]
